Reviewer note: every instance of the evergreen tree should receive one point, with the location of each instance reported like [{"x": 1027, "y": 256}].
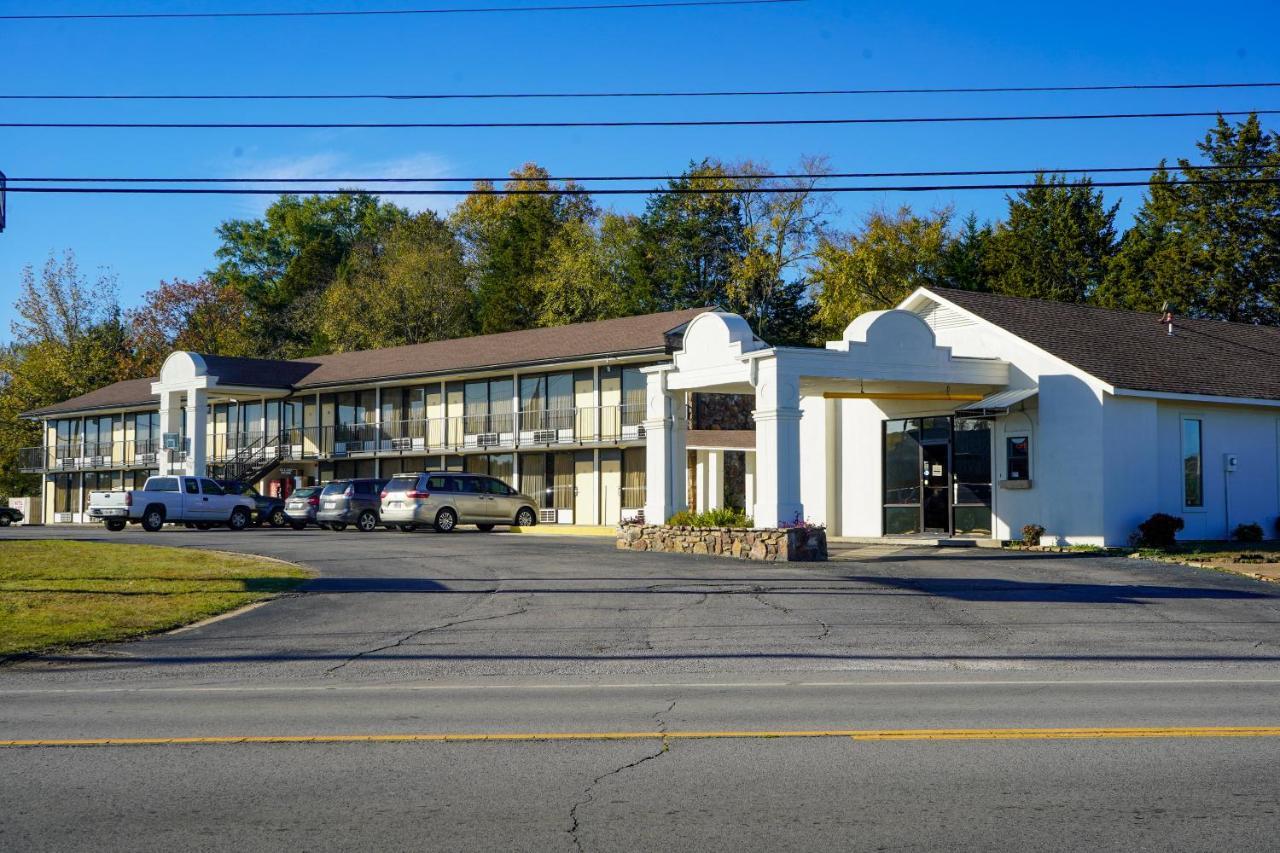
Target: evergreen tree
[
  {"x": 1055, "y": 244},
  {"x": 1211, "y": 248}
]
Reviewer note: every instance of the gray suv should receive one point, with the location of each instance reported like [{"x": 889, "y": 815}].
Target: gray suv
[
  {"x": 446, "y": 499},
  {"x": 344, "y": 502}
]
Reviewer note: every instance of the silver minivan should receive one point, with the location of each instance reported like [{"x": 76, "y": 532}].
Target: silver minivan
[{"x": 444, "y": 500}]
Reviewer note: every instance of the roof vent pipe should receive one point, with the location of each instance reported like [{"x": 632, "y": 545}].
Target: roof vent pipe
[{"x": 1166, "y": 317}]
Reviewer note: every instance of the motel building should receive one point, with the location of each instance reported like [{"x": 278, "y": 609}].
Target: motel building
[{"x": 956, "y": 414}]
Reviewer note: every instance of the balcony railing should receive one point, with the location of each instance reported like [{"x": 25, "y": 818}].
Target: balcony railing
[
  {"x": 540, "y": 428},
  {"x": 90, "y": 456}
]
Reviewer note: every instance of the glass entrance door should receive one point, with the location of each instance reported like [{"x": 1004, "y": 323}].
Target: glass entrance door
[{"x": 935, "y": 481}]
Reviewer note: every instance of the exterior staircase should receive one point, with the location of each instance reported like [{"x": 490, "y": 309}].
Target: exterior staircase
[{"x": 253, "y": 461}]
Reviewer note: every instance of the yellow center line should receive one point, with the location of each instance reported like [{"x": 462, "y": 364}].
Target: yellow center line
[{"x": 1098, "y": 733}]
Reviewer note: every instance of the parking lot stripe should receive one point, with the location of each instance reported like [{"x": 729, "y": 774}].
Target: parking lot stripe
[{"x": 1093, "y": 733}]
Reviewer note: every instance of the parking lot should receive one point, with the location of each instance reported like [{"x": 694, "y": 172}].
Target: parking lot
[{"x": 469, "y": 604}]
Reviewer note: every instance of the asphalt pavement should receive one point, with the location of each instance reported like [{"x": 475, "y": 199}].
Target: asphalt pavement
[{"x": 686, "y": 703}]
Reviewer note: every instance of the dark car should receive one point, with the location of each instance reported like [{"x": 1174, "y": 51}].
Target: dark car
[
  {"x": 265, "y": 510},
  {"x": 9, "y": 515},
  {"x": 301, "y": 506},
  {"x": 357, "y": 501}
]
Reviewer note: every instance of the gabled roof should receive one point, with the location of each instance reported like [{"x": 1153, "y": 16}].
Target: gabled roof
[
  {"x": 1132, "y": 350},
  {"x": 624, "y": 336}
]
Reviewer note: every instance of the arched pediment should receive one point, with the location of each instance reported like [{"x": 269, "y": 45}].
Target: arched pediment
[
  {"x": 713, "y": 345},
  {"x": 182, "y": 366},
  {"x": 891, "y": 336}
]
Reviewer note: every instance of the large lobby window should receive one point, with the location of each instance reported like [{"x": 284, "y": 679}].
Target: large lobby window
[{"x": 937, "y": 476}]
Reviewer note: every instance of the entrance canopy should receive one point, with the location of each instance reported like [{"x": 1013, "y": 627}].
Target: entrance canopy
[{"x": 881, "y": 355}]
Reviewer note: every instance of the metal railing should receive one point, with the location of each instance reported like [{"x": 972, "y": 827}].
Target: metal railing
[
  {"x": 536, "y": 428},
  {"x": 90, "y": 456}
]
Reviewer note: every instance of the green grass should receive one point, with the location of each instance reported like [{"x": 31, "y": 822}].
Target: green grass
[
  {"x": 55, "y": 594},
  {"x": 1218, "y": 552}
]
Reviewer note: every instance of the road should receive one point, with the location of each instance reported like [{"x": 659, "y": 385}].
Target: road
[{"x": 655, "y": 680}]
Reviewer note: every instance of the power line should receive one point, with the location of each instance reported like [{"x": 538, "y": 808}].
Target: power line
[
  {"x": 456, "y": 125},
  {"x": 350, "y": 13},
  {"x": 583, "y": 191},
  {"x": 1209, "y": 167},
  {"x": 711, "y": 93}
]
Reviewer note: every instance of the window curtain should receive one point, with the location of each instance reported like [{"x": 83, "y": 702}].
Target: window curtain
[
  {"x": 533, "y": 477},
  {"x": 562, "y": 491},
  {"x": 633, "y": 477},
  {"x": 633, "y": 388}
]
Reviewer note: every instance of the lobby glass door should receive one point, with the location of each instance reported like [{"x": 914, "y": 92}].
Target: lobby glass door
[{"x": 937, "y": 476}]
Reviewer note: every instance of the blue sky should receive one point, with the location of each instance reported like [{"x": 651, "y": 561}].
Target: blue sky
[{"x": 816, "y": 44}]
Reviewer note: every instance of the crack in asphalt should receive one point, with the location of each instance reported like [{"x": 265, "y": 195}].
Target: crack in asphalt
[
  {"x": 588, "y": 793},
  {"x": 521, "y": 607},
  {"x": 757, "y": 593}
]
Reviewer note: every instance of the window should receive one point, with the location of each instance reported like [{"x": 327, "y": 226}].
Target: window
[
  {"x": 209, "y": 487},
  {"x": 1192, "y": 463},
  {"x": 162, "y": 484},
  {"x": 497, "y": 487},
  {"x": 1017, "y": 457},
  {"x": 192, "y": 487}
]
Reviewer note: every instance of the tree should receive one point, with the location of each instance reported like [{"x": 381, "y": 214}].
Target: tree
[
  {"x": 283, "y": 262},
  {"x": 783, "y": 220},
  {"x": 878, "y": 265},
  {"x": 1212, "y": 248},
  {"x": 1055, "y": 244},
  {"x": 201, "y": 316},
  {"x": 966, "y": 257},
  {"x": 691, "y": 240},
  {"x": 69, "y": 339},
  {"x": 507, "y": 240},
  {"x": 407, "y": 287}
]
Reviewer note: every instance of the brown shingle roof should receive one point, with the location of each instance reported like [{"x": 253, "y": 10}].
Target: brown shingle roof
[
  {"x": 1130, "y": 349},
  {"x": 131, "y": 392},
  {"x": 638, "y": 335},
  {"x": 625, "y": 335}
]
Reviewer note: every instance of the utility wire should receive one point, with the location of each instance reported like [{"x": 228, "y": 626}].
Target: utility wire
[
  {"x": 712, "y": 93},
  {"x": 347, "y": 13},
  {"x": 583, "y": 191},
  {"x": 1208, "y": 167},
  {"x": 452, "y": 125}
]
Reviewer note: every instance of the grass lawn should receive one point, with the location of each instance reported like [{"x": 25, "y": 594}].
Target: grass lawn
[{"x": 59, "y": 593}]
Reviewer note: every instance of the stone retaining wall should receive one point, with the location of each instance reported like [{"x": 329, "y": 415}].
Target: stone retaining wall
[{"x": 771, "y": 545}]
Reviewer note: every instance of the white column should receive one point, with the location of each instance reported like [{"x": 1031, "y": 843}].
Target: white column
[
  {"x": 197, "y": 426},
  {"x": 749, "y": 496},
  {"x": 777, "y": 473},
  {"x": 664, "y": 428},
  {"x": 714, "y": 472},
  {"x": 170, "y": 422}
]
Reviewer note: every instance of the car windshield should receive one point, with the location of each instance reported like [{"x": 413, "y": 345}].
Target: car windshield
[
  {"x": 337, "y": 487},
  {"x": 401, "y": 484}
]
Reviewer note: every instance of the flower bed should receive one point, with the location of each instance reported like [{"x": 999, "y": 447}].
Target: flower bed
[{"x": 804, "y": 543}]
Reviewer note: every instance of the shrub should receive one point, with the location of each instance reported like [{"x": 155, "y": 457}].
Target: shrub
[
  {"x": 1247, "y": 533},
  {"x": 1031, "y": 534},
  {"x": 722, "y": 517},
  {"x": 799, "y": 523},
  {"x": 1159, "y": 531}
]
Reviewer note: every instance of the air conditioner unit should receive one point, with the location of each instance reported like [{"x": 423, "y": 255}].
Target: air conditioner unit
[
  {"x": 545, "y": 436},
  {"x": 339, "y": 448},
  {"x": 548, "y": 516},
  {"x": 402, "y": 443},
  {"x": 486, "y": 439},
  {"x": 67, "y": 462},
  {"x": 146, "y": 459},
  {"x": 63, "y": 517}
]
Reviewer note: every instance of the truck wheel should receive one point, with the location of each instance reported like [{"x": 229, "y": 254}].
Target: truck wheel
[
  {"x": 446, "y": 520},
  {"x": 239, "y": 519},
  {"x": 115, "y": 525},
  {"x": 4, "y": 520},
  {"x": 367, "y": 522},
  {"x": 277, "y": 518},
  {"x": 153, "y": 519}
]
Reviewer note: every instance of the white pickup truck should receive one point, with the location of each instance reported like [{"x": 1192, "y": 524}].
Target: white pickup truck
[{"x": 169, "y": 499}]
